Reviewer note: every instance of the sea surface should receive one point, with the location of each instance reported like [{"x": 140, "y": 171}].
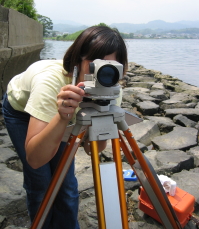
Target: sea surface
[{"x": 176, "y": 57}]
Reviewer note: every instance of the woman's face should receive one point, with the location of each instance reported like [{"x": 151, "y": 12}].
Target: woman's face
[{"x": 85, "y": 66}]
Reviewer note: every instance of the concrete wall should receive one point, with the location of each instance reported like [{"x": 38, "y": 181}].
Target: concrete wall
[{"x": 21, "y": 40}]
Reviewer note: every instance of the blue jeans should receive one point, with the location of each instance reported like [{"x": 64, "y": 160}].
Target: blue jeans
[{"x": 63, "y": 214}]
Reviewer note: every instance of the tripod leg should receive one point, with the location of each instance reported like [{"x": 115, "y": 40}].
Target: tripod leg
[
  {"x": 151, "y": 183},
  {"x": 126, "y": 151},
  {"x": 56, "y": 182},
  {"x": 121, "y": 189},
  {"x": 97, "y": 184}
]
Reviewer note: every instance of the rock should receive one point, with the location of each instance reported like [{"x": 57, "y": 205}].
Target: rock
[
  {"x": 141, "y": 224},
  {"x": 174, "y": 161},
  {"x": 188, "y": 181},
  {"x": 184, "y": 97},
  {"x": 181, "y": 138},
  {"x": 165, "y": 124},
  {"x": 7, "y": 154},
  {"x": 140, "y": 84},
  {"x": 158, "y": 86},
  {"x": 85, "y": 180},
  {"x": 197, "y": 106},
  {"x": 191, "y": 105},
  {"x": 133, "y": 66},
  {"x": 195, "y": 153},
  {"x": 148, "y": 108},
  {"x": 146, "y": 72},
  {"x": 168, "y": 105},
  {"x": 143, "y": 148},
  {"x": 161, "y": 77},
  {"x": 142, "y": 79},
  {"x": 184, "y": 121},
  {"x": 87, "y": 213},
  {"x": 130, "y": 74},
  {"x": 3, "y": 221},
  {"x": 145, "y": 131},
  {"x": 82, "y": 161},
  {"x": 132, "y": 90},
  {"x": 169, "y": 162},
  {"x": 187, "y": 88},
  {"x": 12, "y": 194},
  {"x": 190, "y": 113},
  {"x": 5, "y": 139},
  {"x": 179, "y": 100},
  {"x": 130, "y": 99},
  {"x": 159, "y": 94},
  {"x": 14, "y": 227},
  {"x": 144, "y": 97}
]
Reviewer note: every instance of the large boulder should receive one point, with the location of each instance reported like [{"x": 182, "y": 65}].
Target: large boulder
[
  {"x": 145, "y": 131},
  {"x": 181, "y": 138}
]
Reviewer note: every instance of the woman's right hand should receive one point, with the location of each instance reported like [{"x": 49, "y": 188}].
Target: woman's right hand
[{"x": 68, "y": 100}]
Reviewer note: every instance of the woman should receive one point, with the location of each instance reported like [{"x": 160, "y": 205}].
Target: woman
[{"x": 37, "y": 107}]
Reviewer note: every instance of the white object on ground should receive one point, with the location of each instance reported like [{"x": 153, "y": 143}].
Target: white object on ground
[{"x": 168, "y": 184}]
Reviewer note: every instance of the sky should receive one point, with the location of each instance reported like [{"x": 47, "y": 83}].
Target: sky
[{"x": 91, "y": 12}]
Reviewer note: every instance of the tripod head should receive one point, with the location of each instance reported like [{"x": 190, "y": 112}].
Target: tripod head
[{"x": 101, "y": 105}]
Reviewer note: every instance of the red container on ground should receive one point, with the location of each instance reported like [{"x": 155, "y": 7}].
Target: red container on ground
[{"x": 182, "y": 203}]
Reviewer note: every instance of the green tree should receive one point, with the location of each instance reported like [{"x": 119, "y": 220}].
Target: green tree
[
  {"x": 54, "y": 34},
  {"x": 8, "y": 3},
  {"x": 59, "y": 38},
  {"x": 73, "y": 36},
  {"x": 47, "y": 24},
  {"x": 127, "y": 35},
  {"x": 26, "y": 7},
  {"x": 131, "y": 35},
  {"x": 102, "y": 24}
]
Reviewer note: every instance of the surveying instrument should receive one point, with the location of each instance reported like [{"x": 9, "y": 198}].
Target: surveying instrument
[{"x": 103, "y": 120}]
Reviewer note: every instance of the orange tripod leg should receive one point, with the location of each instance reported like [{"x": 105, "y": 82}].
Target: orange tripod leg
[
  {"x": 126, "y": 151},
  {"x": 120, "y": 179},
  {"x": 56, "y": 182},
  {"x": 149, "y": 176}
]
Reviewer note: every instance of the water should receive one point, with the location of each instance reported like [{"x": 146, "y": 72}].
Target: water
[{"x": 176, "y": 57}]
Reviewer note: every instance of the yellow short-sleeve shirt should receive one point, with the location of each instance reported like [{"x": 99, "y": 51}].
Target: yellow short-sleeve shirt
[{"x": 35, "y": 90}]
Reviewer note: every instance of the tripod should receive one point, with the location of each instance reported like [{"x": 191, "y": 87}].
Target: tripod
[{"x": 106, "y": 122}]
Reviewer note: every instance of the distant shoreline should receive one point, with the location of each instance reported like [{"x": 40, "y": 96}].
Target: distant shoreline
[{"x": 135, "y": 39}]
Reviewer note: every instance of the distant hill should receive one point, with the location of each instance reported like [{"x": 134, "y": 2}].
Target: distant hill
[
  {"x": 68, "y": 22},
  {"x": 187, "y": 31},
  {"x": 157, "y": 26},
  {"x": 192, "y": 24},
  {"x": 68, "y": 28}
]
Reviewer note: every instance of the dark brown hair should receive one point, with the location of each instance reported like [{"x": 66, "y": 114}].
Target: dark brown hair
[{"x": 95, "y": 43}]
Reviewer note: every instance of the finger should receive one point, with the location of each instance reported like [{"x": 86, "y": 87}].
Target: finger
[
  {"x": 65, "y": 95},
  {"x": 80, "y": 84},
  {"x": 69, "y": 103},
  {"x": 66, "y": 110},
  {"x": 74, "y": 89}
]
